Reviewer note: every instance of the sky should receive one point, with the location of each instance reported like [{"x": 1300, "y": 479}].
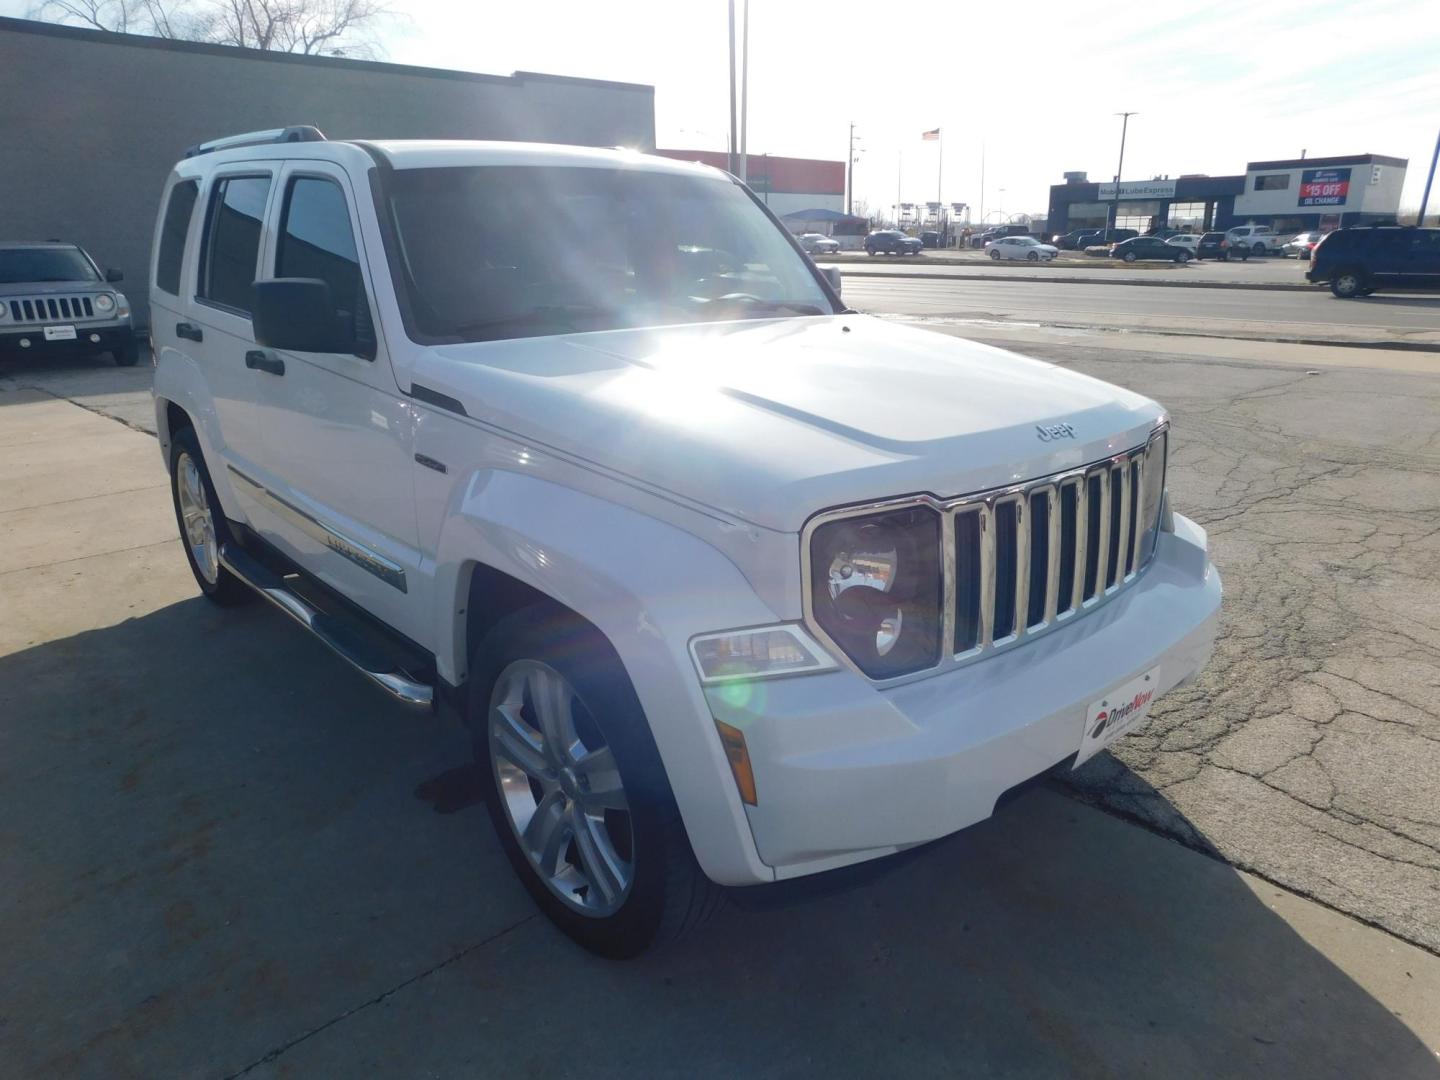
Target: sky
[{"x": 1037, "y": 85}]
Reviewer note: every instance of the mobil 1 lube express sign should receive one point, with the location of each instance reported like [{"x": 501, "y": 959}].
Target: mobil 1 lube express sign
[{"x": 1324, "y": 187}]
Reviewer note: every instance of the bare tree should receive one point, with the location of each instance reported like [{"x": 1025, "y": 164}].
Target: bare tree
[{"x": 312, "y": 27}]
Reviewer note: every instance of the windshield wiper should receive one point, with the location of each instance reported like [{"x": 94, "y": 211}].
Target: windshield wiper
[
  {"x": 756, "y": 303},
  {"x": 543, "y": 313}
]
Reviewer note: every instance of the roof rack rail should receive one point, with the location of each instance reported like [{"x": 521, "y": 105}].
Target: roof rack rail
[{"x": 294, "y": 133}]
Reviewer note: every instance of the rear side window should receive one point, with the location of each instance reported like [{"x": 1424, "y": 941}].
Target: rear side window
[
  {"x": 317, "y": 241},
  {"x": 173, "y": 234},
  {"x": 232, "y": 241}
]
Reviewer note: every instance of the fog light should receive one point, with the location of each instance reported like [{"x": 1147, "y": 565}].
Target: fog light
[
  {"x": 95, "y": 338},
  {"x": 24, "y": 342}
]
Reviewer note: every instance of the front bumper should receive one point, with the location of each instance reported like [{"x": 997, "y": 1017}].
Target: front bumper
[
  {"x": 847, "y": 772},
  {"x": 31, "y": 338}
]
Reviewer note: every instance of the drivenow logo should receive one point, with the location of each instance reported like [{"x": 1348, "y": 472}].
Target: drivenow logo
[
  {"x": 1051, "y": 432},
  {"x": 1116, "y": 715}
]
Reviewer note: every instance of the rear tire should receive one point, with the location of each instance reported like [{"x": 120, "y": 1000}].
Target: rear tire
[
  {"x": 1129, "y": 256},
  {"x": 616, "y": 881},
  {"x": 202, "y": 523}
]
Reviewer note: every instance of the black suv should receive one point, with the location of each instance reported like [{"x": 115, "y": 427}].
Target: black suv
[
  {"x": 1357, "y": 261},
  {"x": 1096, "y": 237},
  {"x": 892, "y": 242}
]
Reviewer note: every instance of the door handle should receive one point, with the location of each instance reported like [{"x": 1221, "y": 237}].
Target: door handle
[
  {"x": 259, "y": 360},
  {"x": 189, "y": 330}
]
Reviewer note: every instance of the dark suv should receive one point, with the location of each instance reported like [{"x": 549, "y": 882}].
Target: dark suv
[
  {"x": 1096, "y": 237},
  {"x": 53, "y": 298},
  {"x": 1358, "y": 261}
]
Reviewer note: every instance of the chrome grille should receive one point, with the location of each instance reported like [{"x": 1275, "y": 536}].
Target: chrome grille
[
  {"x": 1029, "y": 556},
  {"x": 39, "y": 309}
]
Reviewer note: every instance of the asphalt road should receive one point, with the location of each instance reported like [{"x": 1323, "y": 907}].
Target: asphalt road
[
  {"x": 1201, "y": 310},
  {"x": 230, "y": 856}
]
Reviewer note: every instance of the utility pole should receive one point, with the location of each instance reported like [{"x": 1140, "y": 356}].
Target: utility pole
[
  {"x": 982, "y": 181},
  {"x": 744, "y": 92},
  {"x": 850, "y": 175},
  {"x": 940, "y": 167},
  {"x": 1124, "y": 127},
  {"x": 733, "y": 139},
  {"x": 1425, "y": 199}
]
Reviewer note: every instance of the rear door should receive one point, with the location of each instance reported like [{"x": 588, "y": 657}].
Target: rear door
[
  {"x": 1424, "y": 259},
  {"x": 338, "y": 464},
  {"x": 216, "y": 328}
]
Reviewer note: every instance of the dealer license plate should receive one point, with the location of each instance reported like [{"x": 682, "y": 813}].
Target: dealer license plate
[
  {"x": 1121, "y": 710},
  {"x": 59, "y": 333}
]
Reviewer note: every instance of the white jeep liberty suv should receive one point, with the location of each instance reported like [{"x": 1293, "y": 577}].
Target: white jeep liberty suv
[{"x": 730, "y": 584}]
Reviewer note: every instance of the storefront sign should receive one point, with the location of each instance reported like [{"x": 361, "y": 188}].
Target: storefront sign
[
  {"x": 1324, "y": 187},
  {"x": 1140, "y": 189}
]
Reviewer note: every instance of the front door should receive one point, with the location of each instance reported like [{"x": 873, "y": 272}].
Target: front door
[{"x": 338, "y": 461}]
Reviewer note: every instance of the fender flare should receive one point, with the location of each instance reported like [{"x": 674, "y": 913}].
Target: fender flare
[
  {"x": 648, "y": 586},
  {"x": 179, "y": 381}
]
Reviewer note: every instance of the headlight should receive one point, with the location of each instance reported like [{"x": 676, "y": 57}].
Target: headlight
[
  {"x": 104, "y": 302},
  {"x": 1152, "y": 492},
  {"x": 875, "y": 589},
  {"x": 4, "y": 310}
]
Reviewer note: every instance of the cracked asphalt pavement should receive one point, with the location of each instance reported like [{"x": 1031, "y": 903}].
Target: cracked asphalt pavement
[{"x": 1309, "y": 750}]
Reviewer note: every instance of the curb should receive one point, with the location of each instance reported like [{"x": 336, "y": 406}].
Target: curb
[
  {"x": 1047, "y": 279},
  {"x": 1271, "y": 339}
]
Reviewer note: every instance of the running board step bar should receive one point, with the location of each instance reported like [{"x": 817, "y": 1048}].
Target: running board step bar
[{"x": 333, "y": 631}]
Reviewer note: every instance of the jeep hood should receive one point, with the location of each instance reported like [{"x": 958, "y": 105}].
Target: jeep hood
[{"x": 770, "y": 421}]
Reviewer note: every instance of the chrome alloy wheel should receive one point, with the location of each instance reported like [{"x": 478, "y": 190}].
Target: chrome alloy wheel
[
  {"x": 561, "y": 788},
  {"x": 198, "y": 519}
]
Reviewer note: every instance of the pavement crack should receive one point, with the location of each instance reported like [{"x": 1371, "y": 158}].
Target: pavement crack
[{"x": 285, "y": 1047}]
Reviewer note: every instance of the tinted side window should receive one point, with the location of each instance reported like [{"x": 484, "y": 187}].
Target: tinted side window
[
  {"x": 173, "y": 234},
  {"x": 232, "y": 240},
  {"x": 316, "y": 241}
]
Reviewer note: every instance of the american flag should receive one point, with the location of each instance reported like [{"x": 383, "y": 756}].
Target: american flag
[{"x": 930, "y": 136}]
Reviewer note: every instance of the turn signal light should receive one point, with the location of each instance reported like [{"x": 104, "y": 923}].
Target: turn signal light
[{"x": 733, "y": 740}]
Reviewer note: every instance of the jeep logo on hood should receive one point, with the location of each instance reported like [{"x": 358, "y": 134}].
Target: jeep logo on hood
[{"x": 1051, "y": 432}]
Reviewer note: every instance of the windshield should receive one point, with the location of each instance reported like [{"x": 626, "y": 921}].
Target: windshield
[
  {"x": 491, "y": 252},
  {"x": 22, "y": 265}
]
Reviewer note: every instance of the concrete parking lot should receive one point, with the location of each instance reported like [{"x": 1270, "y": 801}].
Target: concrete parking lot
[{"x": 228, "y": 856}]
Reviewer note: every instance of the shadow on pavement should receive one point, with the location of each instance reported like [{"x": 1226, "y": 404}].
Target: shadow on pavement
[{"x": 217, "y": 856}]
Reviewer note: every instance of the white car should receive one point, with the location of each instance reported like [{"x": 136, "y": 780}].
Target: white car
[
  {"x": 818, "y": 243},
  {"x": 1189, "y": 241},
  {"x": 1020, "y": 247},
  {"x": 730, "y": 585}
]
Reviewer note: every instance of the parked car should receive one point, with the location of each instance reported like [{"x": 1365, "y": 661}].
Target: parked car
[
  {"x": 54, "y": 299},
  {"x": 930, "y": 238},
  {"x": 1247, "y": 240},
  {"x": 1066, "y": 241},
  {"x": 1361, "y": 260},
  {"x": 818, "y": 243},
  {"x": 700, "y": 625},
  {"x": 1021, "y": 247},
  {"x": 1149, "y": 247},
  {"x": 1098, "y": 237},
  {"x": 1189, "y": 241},
  {"x": 1213, "y": 245},
  {"x": 1303, "y": 243},
  {"x": 892, "y": 242}
]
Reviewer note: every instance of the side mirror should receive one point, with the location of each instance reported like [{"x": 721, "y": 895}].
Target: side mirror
[
  {"x": 298, "y": 315},
  {"x": 832, "y": 275},
  {"x": 114, "y": 275}
]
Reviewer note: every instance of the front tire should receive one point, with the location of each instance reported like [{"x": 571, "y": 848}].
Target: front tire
[
  {"x": 1347, "y": 284},
  {"x": 1183, "y": 257},
  {"x": 202, "y": 523},
  {"x": 128, "y": 355},
  {"x": 994, "y": 255},
  {"x": 1033, "y": 256},
  {"x": 575, "y": 787}
]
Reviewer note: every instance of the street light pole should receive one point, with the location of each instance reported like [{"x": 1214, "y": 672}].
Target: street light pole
[
  {"x": 744, "y": 92},
  {"x": 1425, "y": 199},
  {"x": 733, "y": 139},
  {"x": 1124, "y": 127}
]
